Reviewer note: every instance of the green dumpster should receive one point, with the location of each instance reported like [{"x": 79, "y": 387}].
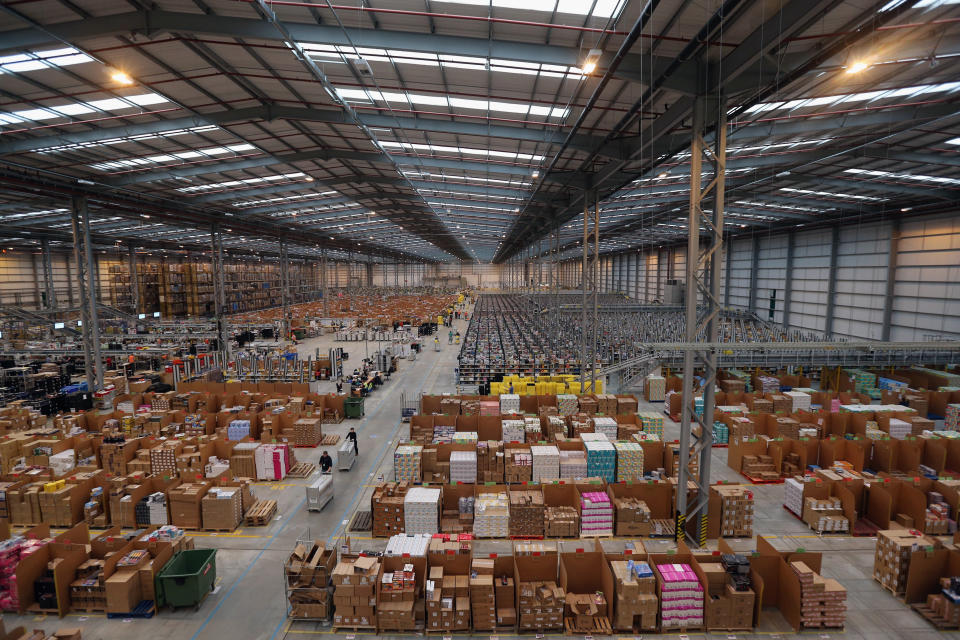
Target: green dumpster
[
  {"x": 353, "y": 407},
  {"x": 187, "y": 578}
]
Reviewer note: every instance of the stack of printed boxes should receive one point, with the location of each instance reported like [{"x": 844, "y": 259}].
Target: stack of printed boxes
[
  {"x": 509, "y": 403},
  {"x": 531, "y": 429},
  {"x": 238, "y": 430},
  {"x": 793, "y": 495},
  {"x": 605, "y": 425},
  {"x": 463, "y": 466},
  {"x": 556, "y": 426},
  {"x": 736, "y": 507},
  {"x": 900, "y": 429},
  {"x": 406, "y": 463},
  {"x": 652, "y": 423},
  {"x": 573, "y": 464},
  {"x": 273, "y": 461},
  {"x": 952, "y": 418},
  {"x": 387, "y": 505},
  {"x": 421, "y": 510},
  {"x": 655, "y": 388},
  {"x": 448, "y": 601},
  {"x": 681, "y": 596},
  {"x": 567, "y": 404},
  {"x": 546, "y": 462},
  {"x": 308, "y": 432},
  {"x": 518, "y": 465},
  {"x": 222, "y": 508},
  {"x": 823, "y": 601},
  {"x": 413, "y": 545},
  {"x": 526, "y": 513},
  {"x": 465, "y": 437},
  {"x": 397, "y": 600},
  {"x": 483, "y": 604},
  {"x": 513, "y": 431},
  {"x": 800, "y": 400},
  {"x": 629, "y": 461},
  {"x": 491, "y": 517},
  {"x": 596, "y": 513},
  {"x": 541, "y": 605},
  {"x": 601, "y": 459},
  {"x": 489, "y": 461},
  {"x": 635, "y": 606}
]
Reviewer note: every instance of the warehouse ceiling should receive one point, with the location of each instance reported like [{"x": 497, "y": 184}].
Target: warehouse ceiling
[{"x": 445, "y": 130}]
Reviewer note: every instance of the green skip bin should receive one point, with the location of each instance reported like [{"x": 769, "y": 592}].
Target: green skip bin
[{"x": 188, "y": 578}]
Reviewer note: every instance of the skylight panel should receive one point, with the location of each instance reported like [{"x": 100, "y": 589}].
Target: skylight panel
[
  {"x": 35, "y": 60},
  {"x": 56, "y": 111},
  {"x": 603, "y": 8},
  {"x": 464, "y": 150},
  {"x": 858, "y": 97},
  {"x": 460, "y": 103},
  {"x": 235, "y": 183},
  {"x": 851, "y": 196},
  {"x": 904, "y": 176},
  {"x": 183, "y": 155}
]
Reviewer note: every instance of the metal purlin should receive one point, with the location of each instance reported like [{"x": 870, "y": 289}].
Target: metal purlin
[{"x": 703, "y": 282}]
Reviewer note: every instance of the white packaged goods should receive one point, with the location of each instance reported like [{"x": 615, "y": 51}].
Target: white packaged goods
[
  {"x": 413, "y": 545},
  {"x": 421, "y": 510},
  {"x": 793, "y": 496},
  {"x": 513, "y": 431},
  {"x": 62, "y": 463},
  {"x": 463, "y": 467},
  {"x": 406, "y": 463},
  {"x": 157, "y": 507},
  {"x": 573, "y": 464},
  {"x": 444, "y": 433},
  {"x": 601, "y": 459},
  {"x": 646, "y": 437},
  {"x": 768, "y": 384},
  {"x": 801, "y": 401},
  {"x": 320, "y": 492},
  {"x": 681, "y": 596},
  {"x": 596, "y": 513},
  {"x": 509, "y": 403},
  {"x": 491, "y": 515},
  {"x": 567, "y": 404},
  {"x": 465, "y": 437},
  {"x": 238, "y": 430},
  {"x": 271, "y": 461},
  {"x": 656, "y": 388},
  {"x": 652, "y": 423},
  {"x": 605, "y": 425},
  {"x": 629, "y": 461},
  {"x": 594, "y": 437},
  {"x": 900, "y": 429},
  {"x": 546, "y": 462}
]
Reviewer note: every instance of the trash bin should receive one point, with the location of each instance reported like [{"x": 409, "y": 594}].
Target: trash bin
[
  {"x": 187, "y": 578},
  {"x": 353, "y": 407}
]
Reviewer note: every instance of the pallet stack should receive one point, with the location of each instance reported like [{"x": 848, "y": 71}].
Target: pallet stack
[
  {"x": 652, "y": 423},
  {"x": 606, "y": 425},
  {"x": 421, "y": 510},
  {"x": 736, "y": 508},
  {"x": 463, "y": 466},
  {"x": 545, "y": 462},
  {"x": 386, "y": 506},
  {"x": 483, "y": 605},
  {"x": 635, "y": 604},
  {"x": 561, "y": 522},
  {"x": 491, "y": 515},
  {"x": 655, "y": 388},
  {"x": 681, "y": 597},
  {"x": 573, "y": 464},
  {"x": 489, "y": 461},
  {"x": 567, "y": 404},
  {"x": 406, "y": 463},
  {"x": 513, "y": 431},
  {"x": 541, "y": 605},
  {"x": 629, "y": 461},
  {"x": 891, "y": 561},
  {"x": 526, "y": 513},
  {"x": 308, "y": 432},
  {"x": 596, "y": 514},
  {"x": 601, "y": 459}
]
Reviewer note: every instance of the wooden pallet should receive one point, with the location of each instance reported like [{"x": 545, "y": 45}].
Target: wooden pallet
[
  {"x": 596, "y": 535},
  {"x": 931, "y": 617},
  {"x": 76, "y": 609},
  {"x": 302, "y": 470},
  {"x": 355, "y": 628},
  {"x": 600, "y": 627},
  {"x": 261, "y": 513},
  {"x": 362, "y": 521},
  {"x": 667, "y": 526},
  {"x": 330, "y": 439},
  {"x": 337, "y": 419}
]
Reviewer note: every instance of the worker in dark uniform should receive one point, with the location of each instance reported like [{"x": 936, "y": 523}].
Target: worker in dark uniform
[
  {"x": 352, "y": 435},
  {"x": 326, "y": 462}
]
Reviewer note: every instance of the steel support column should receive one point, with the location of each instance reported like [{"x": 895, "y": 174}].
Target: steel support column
[
  {"x": 219, "y": 292},
  {"x": 79, "y": 203},
  {"x": 323, "y": 282},
  {"x": 726, "y": 285},
  {"x": 891, "y": 279},
  {"x": 134, "y": 280},
  {"x": 48, "y": 287},
  {"x": 703, "y": 264},
  {"x": 832, "y": 280},
  {"x": 284, "y": 290},
  {"x": 788, "y": 280},
  {"x": 754, "y": 268}
]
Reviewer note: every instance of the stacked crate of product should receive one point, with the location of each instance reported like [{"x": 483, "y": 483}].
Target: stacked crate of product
[
  {"x": 489, "y": 408},
  {"x": 596, "y": 514},
  {"x": 355, "y": 588},
  {"x": 573, "y": 464},
  {"x": 308, "y": 432},
  {"x": 526, "y": 513},
  {"x": 163, "y": 459},
  {"x": 396, "y": 600},
  {"x": 222, "y": 508},
  {"x": 793, "y": 495},
  {"x": 387, "y": 505},
  {"x": 721, "y": 433},
  {"x": 466, "y": 437},
  {"x": 952, "y": 418},
  {"x": 489, "y": 461},
  {"x": 601, "y": 459},
  {"x": 541, "y": 605},
  {"x": 444, "y": 433},
  {"x": 900, "y": 429},
  {"x": 655, "y": 388},
  {"x": 546, "y": 462},
  {"x": 509, "y": 403},
  {"x": 556, "y": 426},
  {"x": 561, "y": 522},
  {"x": 937, "y": 516},
  {"x": 243, "y": 460},
  {"x": 862, "y": 380},
  {"x": 491, "y": 517},
  {"x": 448, "y": 601},
  {"x": 531, "y": 430},
  {"x": 605, "y": 425},
  {"x": 823, "y": 601},
  {"x": 635, "y": 605},
  {"x": 567, "y": 404},
  {"x": 406, "y": 463},
  {"x": 513, "y": 431},
  {"x": 273, "y": 461},
  {"x": 799, "y": 399},
  {"x": 681, "y": 596},
  {"x": 414, "y": 546},
  {"x": 891, "y": 561},
  {"x": 825, "y": 515},
  {"x": 652, "y": 423},
  {"x": 580, "y": 423},
  {"x": 482, "y": 600},
  {"x": 421, "y": 510},
  {"x": 768, "y": 384},
  {"x": 632, "y": 517},
  {"x": 238, "y": 429},
  {"x": 463, "y": 466},
  {"x": 518, "y": 465},
  {"x": 736, "y": 509},
  {"x": 629, "y": 461}
]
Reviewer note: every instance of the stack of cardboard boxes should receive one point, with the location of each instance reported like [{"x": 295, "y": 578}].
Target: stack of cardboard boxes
[
  {"x": 355, "y": 597},
  {"x": 945, "y": 606},
  {"x": 825, "y": 515},
  {"x": 184, "y": 502},
  {"x": 308, "y": 431},
  {"x": 222, "y": 508},
  {"x": 489, "y": 461},
  {"x": 635, "y": 605},
  {"x": 397, "y": 599},
  {"x": 492, "y": 515},
  {"x": 891, "y": 561},
  {"x": 823, "y": 601},
  {"x": 518, "y": 465},
  {"x": 760, "y": 467},
  {"x": 387, "y": 507},
  {"x": 681, "y": 596},
  {"x": 541, "y": 605},
  {"x": 448, "y": 601},
  {"x": 561, "y": 522},
  {"x": 632, "y": 517},
  {"x": 308, "y": 571},
  {"x": 526, "y": 513},
  {"x": 736, "y": 509},
  {"x": 483, "y": 604},
  {"x": 729, "y": 599}
]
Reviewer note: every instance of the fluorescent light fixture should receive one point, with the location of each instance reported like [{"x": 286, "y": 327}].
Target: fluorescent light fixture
[
  {"x": 121, "y": 78},
  {"x": 857, "y": 67},
  {"x": 59, "y": 325},
  {"x": 79, "y": 323},
  {"x": 156, "y": 314},
  {"x": 141, "y": 316}
]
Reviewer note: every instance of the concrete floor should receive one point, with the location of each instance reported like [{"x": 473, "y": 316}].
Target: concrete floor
[{"x": 249, "y": 601}]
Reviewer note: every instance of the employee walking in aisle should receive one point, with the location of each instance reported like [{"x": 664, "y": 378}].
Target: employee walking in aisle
[
  {"x": 352, "y": 435},
  {"x": 326, "y": 462},
  {"x": 450, "y": 337}
]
